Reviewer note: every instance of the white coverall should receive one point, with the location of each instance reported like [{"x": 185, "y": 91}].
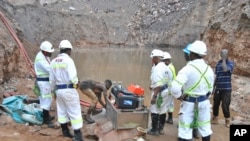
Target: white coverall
[
  {"x": 170, "y": 97},
  {"x": 63, "y": 71},
  {"x": 42, "y": 69},
  {"x": 187, "y": 77},
  {"x": 160, "y": 75}
]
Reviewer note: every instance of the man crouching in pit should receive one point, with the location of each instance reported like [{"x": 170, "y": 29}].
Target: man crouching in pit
[{"x": 93, "y": 90}]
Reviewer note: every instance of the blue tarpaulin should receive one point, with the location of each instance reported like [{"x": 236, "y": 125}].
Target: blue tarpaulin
[{"x": 21, "y": 112}]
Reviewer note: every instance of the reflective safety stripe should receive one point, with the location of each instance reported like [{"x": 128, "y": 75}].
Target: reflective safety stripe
[
  {"x": 59, "y": 66},
  {"x": 171, "y": 109},
  {"x": 76, "y": 121},
  {"x": 62, "y": 119},
  {"x": 171, "y": 66},
  {"x": 178, "y": 82},
  {"x": 191, "y": 88},
  {"x": 200, "y": 124},
  {"x": 46, "y": 95},
  {"x": 39, "y": 60},
  {"x": 41, "y": 73},
  {"x": 74, "y": 80}
]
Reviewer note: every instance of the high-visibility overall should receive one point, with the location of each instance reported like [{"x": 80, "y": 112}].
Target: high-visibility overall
[
  {"x": 170, "y": 97},
  {"x": 42, "y": 69},
  {"x": 63, "y": 76},
  {"x": 160, "y": 75},
  {"x": 196, "y": 79}
]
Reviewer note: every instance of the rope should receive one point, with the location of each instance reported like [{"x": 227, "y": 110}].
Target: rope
[{"x": 22, "y": 50}]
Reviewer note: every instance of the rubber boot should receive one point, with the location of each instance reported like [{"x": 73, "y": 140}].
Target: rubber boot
[
  {"x": 227, "y": 122},
  {"x": 88, "y": 118},
  {"x": 51, "y": 118},
  {"x": 78, "y": 135},
  {"x": 170, "y": 118},
  {"x": 47, "y": 119},
  {"x": 215, "y": 120},
  {"x": 155, "y": 128},
  {"x": 65, "y": 131},
  {"x": 195, "y": 133},
  {"x": 207, "y": 138},
  {"x": 97, "y": 111},
  {"x": 180, "y": 139},
  {"x": 162, "y": 123}
]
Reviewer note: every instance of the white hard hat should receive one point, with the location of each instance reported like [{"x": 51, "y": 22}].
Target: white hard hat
[
  {"x": 156, "y": 52},
  {"x": 198, "y": 47},
  {"x": 65, "y": 44},
  {"x": 46, "y": 46},
  {"x": 166, "y": 55}
]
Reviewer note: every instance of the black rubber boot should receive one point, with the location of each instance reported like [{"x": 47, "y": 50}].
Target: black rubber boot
[
  {"x": 155, "y": 125},
  {"x": 96, "y": 111},
  {"x": 170, "y": 118},
  {"x": 207, "y": 138},
  {"x": 195, "y": 133},
  {"x": 65, "y": 131},
  {"x": 162, "y": 123},
  {"x": 180, "y": 139},
  {"x": 88, "y": 118},
  {"x": 47, "y": 119},
  {"x": 78, "y": 135}
]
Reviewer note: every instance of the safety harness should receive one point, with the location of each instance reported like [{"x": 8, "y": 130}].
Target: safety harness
[{"x": 191, "y": 97}]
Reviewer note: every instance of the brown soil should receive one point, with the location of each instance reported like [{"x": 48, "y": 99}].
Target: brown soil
[{"x": 11, "y": 131}]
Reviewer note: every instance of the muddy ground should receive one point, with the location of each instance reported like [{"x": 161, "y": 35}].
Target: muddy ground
[{"x": 11, "y": 131}]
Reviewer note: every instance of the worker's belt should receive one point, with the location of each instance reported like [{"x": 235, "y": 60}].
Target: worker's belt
[
  {"x": 65, "y": 86},
  {"x": 42, "y": 79},
  {"x": 165, "y": 86},
  {"x": 195, "y": 99}
]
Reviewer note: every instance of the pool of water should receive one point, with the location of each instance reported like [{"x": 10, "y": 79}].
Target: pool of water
[{"x": 128, "y": 65}]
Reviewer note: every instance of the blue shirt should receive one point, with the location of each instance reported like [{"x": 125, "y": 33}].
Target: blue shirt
[{"x": 223, "y": 79}]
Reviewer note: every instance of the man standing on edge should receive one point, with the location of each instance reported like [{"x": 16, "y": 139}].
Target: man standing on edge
[
  {"x": 196, "y": 79},
  {"x": 42, "y": 70},
  {"x": 223, "y": 88},
  {"x": 170, "y": 100},
  {"x": 63, "y": 78},
  {"x": 160, "y": 76}
]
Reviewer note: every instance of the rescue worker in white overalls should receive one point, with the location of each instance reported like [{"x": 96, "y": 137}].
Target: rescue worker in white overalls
[
  {"x": 186, "y": 55},
  {"x": 170, "y": 100},
  {"x": 197, "y": 80},
  {"x": 160, "y": 76},
  {"x": 63, "y": 77},
  {"x": 42, "y": 69}
]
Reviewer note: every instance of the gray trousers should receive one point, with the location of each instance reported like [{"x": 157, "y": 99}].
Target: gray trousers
[{"x": 224, "y": 97}]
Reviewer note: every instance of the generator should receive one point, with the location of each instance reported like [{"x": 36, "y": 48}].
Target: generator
[{"x": 128, "y": 98}]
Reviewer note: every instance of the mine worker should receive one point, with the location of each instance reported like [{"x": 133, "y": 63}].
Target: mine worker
[
  {"x": 170, "y": 100},
  {"x": 160, "y": 75},
  {"x": 63, "y": 78},
  {"x": 197, "y": 80},
  {"x": 223, "y": 88},
  {"x": 94, "y": 89},
  {"x": 186, "y": 55},
  {"x": 42, "y": 69}
]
